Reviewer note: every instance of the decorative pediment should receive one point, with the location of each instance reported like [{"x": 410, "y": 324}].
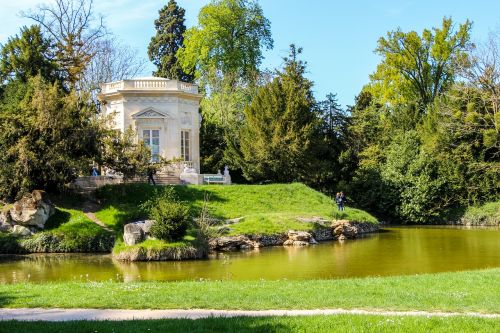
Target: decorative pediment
[{"x": 150, "y": 113}]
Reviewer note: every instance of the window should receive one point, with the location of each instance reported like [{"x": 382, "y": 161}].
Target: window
[
  {"x": 151, "y": 139},
  {"x": 185, "y": 146}
]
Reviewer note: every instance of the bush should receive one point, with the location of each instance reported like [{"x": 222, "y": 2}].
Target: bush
[
  {"x": 487, "y": 214},
  {"x": 9, "y": 244},
  {"x": 171, "y": 216}
]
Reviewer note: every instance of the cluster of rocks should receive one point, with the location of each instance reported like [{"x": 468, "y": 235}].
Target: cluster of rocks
[
  {"x": 337, "y": 230},
  {"x": 27, "y": 215}
]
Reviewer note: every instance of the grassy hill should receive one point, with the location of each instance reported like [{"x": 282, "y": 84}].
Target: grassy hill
[{"x": 263, "y": 209}]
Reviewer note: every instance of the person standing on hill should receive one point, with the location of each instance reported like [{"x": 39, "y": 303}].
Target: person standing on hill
[
  {"x": 342, "y": 200},
  {"x": 338, "y": 201}
]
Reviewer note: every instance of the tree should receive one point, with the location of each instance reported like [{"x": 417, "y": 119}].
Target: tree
[
  {"x": 26, "y": 56},
  {"x": 229, "y": 37},
  {"x": 329, "y": 143},
  {"x": 168, "y": 40},
  {"x": 47, "y": 136},
  {"x": 276, "y": 140},
  {"x": 112, "y": 62},
  {"x": 225, "y": 50},
  {"x": 417, "y": 69},
  {"x": 74, "y": 30}
]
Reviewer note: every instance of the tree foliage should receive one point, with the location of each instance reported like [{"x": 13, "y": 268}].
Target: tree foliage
[
  {"x": 418, "y": 68},
  {"x": 229, "y": 37},
  {"x": 168, "y": 40},
  {"x": 47, "y": 136},
  {"x": 276, "y": 140},
  {"x": 26, "y": 56}
]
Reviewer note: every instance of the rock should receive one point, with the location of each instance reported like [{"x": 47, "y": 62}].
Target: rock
[
  {"x": 344, "y": 229},
  {"x": 137, "y": 232},
  {"x": 314, "y": 219},
  {"x": 146, "y": 225},
  {"x": 133, "y": 234},
  {"x": 5, "y": 221},
  {"x": 291, "y": 242},
  {"x": 21, "y": 230},
  {"x": 299, "y": 235},
  {"x": 235, "y": 220},
  {"x": 231, "y": 243},
  {"x": 32, "y": 210}
]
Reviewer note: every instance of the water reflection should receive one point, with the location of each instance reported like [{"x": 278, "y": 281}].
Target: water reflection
[{"x": 398, "y": 251}]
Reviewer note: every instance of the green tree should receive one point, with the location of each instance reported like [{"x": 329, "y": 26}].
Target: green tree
[
  {"x": 277, "y": 138},
  {"x": 27, "y": 55},
  {"x": 418, "y": 68},
  {"x": 47, "y": 136},
  {"x": 162, "y": 50},
  {"x": 229, "y": 37}
]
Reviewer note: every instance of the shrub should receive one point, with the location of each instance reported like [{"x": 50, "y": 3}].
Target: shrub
[
  {"x": 9, "y": 244},
  {"x": 171, "y": 216}
]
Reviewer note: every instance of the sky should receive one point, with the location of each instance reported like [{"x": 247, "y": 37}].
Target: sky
[{"x": 337, "y": 37}]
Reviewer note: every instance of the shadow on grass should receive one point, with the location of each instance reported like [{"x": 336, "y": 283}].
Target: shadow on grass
[
  {"x": 239, "y": 324},
  {"x": 59, "y": 217}
]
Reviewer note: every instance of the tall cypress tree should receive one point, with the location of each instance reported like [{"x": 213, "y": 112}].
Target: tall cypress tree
[
  {"x": 169, "y": 37},
  {"x": 276, "y": 142}
]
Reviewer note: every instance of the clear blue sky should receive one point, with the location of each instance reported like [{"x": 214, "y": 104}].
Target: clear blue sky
[{"x": 338, "y": 37}]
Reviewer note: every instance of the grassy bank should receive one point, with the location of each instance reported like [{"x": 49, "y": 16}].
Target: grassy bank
[
  {"x": 487, "y": 214},
  {"x": 154, "y": 249},
  {"x": 68, "y": 230},
  {"x": 339, "y": 323},
  {"x": 260, "y": 209},
  {"x": 477, "y": 291}
]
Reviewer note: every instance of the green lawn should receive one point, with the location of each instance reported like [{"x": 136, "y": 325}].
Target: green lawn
[
  {"x": 316, "y": 324},
  {"x": 477, "y": 291},
  {"x": 264, "y": 208}
]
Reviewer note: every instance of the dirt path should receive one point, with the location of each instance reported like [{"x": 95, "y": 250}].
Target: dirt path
[
  {"x": 89, "y": 208},
  {"x": 114, "y": 314}
]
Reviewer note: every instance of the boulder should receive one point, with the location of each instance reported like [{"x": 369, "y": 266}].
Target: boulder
[
  {"x": 344, "y": 229},
  {"x": 133, "y": 234},
  {"x": 32, "y": 210},
  {"x": 299, "y": 235},
  {"x": 5, "y": 221},
  {"x": 292, "y": 242},
  {"x": 299, "y": 238},
  {"x": 231, "y": 243},
  {"x": 21, "y": 230},
  {"x": 137, "y": 232}
]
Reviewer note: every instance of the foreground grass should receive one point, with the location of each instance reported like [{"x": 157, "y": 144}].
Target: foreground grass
[
  {"x": 487, "y": 214},
  {"x": 477, "y": 291},
  {"x": 338, "y": 323},
  {"x": 263, "y": 208}
]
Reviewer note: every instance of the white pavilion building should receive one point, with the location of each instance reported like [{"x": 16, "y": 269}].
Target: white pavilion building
[{"x": 163, "y": 112}]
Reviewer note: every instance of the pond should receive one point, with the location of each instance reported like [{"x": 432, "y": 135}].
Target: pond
[{"x": 394, "y": 251}]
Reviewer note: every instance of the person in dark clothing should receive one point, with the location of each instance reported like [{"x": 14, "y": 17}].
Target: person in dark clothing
[
  {"x": 95, "y": 172},
  {"x": 342, "y": 200},
  {"x": 338, "y": 201},
  {"x": 151, "y": 172}
]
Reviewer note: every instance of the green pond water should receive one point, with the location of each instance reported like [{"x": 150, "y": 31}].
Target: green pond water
[{"x": 395, "y": 251}]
